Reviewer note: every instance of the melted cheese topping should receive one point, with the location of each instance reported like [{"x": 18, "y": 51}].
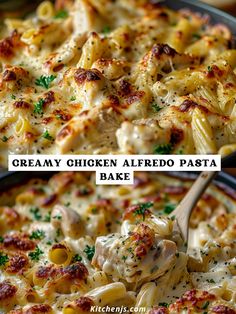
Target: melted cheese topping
[
  {"x": 107, "y": 76},
  {"x": 67, "y": 244}
]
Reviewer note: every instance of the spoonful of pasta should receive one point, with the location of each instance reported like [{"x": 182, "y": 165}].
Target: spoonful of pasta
[{"x": 183, "y": 211}]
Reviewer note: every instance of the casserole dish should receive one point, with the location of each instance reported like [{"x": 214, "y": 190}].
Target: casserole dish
[{"x": 82, "y": 246}]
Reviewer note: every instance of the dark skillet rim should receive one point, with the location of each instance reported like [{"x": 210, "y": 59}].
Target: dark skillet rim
[
  {"x": 9, "y": 180},
  {"x": 215, "y": 14},
  {"x": 223, "y": 181}
]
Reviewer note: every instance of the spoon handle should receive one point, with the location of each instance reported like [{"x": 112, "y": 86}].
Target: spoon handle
[{"x": 184, "y": 209}]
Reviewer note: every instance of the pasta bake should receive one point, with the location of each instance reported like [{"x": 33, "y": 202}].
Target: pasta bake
[
  {"x": 116, "y": 76},
  {"x": 69, "y": 246}
]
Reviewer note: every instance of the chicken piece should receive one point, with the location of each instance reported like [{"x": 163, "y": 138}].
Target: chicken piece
[
  {"x": 68, "y": 220},
  {"x": 135, "y": 214},
  {"x": 139, "y": 257},
  {"x": 85, "y": 17},
  {"x": 138, "y": 137},
  {"x": 90, "y": 132}
]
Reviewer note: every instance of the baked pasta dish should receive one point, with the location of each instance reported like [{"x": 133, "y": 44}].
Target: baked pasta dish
[
  {"x": 69, "y": 246},
  {"x": 116, "y": 76}
]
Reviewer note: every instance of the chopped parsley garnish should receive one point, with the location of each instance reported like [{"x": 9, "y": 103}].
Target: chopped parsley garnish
[
  {"x": 94, "y": 210},
  {"x": 180, "y": 152},
  {"x": 124, "y": 258},
  {"x": 76, "y": 258},
  {"x": 3, "y": 259},
  {"x": 62, "y": 14},
  {"x": 106, "y": 30},
  {"x": 163, "y": 149},
  {"x": 89, "y": 251},
  {"x": 47, "y": 217},
  {"x": 156, "y": 107},
  {"x": 163, "y": 304},
  {"x": 209, "y": 68},
  {"x": 59, "y": 116},
  {"x": 205, "y": 305},
  {"x": 211, "y": 280},
  {"x": 197, "y": 36},
  {"x": 45, "y": 81},
  {"x": 13, "y": 96},
  {"x": 73, "y": 98},
  {"x": 154, "y": 269},
  {"x": 67, "y": 204},
  {"x": 142, "y": 209},
  {"x": 58, "y": 232},
  {"x": 4, "y": 139},
  {"x": 38, "y": 107},
  {"x": 84, "y": 190},
  {"x": 58, "y": 217},
  {"x": 36, "y": 213},
  {"x": 169, "y": 208},
  {"x": 37, "y": 235},
  {"x": 1, "y": 239},
  {"x": 35, "y": 255},
  {"x": 47, "y": 136}
]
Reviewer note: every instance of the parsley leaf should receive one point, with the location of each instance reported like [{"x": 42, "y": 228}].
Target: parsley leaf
[
  {"x": 37, "y": 234},
  {"x": 13, "y": 96},
  {"x": 76, "y": 258},
  {"x": 196, "y": 36},
  {"x": 58, "y": 232},
  {"x": 3, "y": 259},
  {"x": 36, "y": 213},
  {"x": 94, "y": 210},
  {"x": 205, "y": 305},
  {"x": 211, "y": 280},
  {"x": 44, "y": 81},
  {"x": 142, "y": 209},
  {"x": 4, "y": 139},
  {"x": 163, "y": 149},
  {"x": 38, "y": 107},
  {"x": 169, "y": 208},
  {"x": 58, "y": 217},
  {"x": 180, "y": 152},
  {"x": 62, "y": 14},
  {"x": 47, "y": 136},
  {"x": 106, "y": 30},
  {"x": 209, "y": 68},
  {"x": 156, "y": 107},
  {"x": 73, "y": 98},
  {"x": 163, "y": 304},
  {"x": 89, "y": 251},
  {"x": 35, "y": 255},
  {"x": 47, "y": 217},
  {"x": 1, "y": 239},
  {"x": 154, "y": 268}
]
